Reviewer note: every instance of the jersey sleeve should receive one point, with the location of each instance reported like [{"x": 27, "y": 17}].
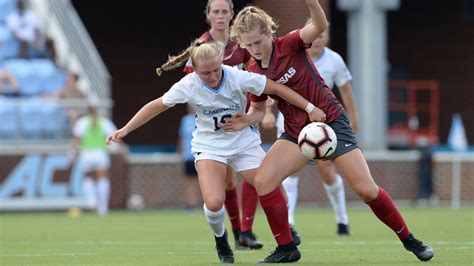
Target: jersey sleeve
[
  {"x": 255, "y": 98},
  {"x": 179, "y": 93},
  {"x": 251, "y": 82},
  {"x": 291, "y": 43},
  {"x": 342, "y": 75}
]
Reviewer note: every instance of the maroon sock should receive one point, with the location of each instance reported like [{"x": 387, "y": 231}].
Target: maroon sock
[
  {"x": 384, "y": 208},
  {"x": 276, "y": 211},
  {"x": 232, "y": 206},
  {"x": 249, "y": 206}
]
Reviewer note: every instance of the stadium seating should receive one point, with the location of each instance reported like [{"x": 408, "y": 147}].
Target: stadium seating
[
  {"x": 35, "y": 112},
  {"x": 6, "y": 7},
  {"x": 36, "y": 76},
  {"x": 9, "y": 46},
  {"x": 8, "y": 115}
]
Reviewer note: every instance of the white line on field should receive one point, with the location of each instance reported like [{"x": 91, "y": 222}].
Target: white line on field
[
  {"x": 101, "y": 254},
  {"x": 198, "y": 243}
]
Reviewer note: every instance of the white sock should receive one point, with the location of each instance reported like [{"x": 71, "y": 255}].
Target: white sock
[
  {"x": 103, "y": 189},
  {"x": 337, "y": 197},
  {"x": 291, "y": 186},
  {"x": 216, "y": 220},
  {"x": 89, "y": 188}
]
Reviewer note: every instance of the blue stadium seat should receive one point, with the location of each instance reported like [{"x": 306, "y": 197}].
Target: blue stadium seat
[
  {"x": 32, "y": 76},
  {"x": 6, "y": 7},
  {"x": 41, "y": 72},
  {"x": 9, "y": 46},
  {"x": 30, "y": 118},
  {"x": 53, "y": 119},
  {"x": 55, "y": 80},
  {"x": 9, "y": 124}
]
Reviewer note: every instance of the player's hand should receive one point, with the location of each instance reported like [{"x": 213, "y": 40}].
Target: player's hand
[
  {"x": 317, "y": 115},
  {"x": 235, "y": 123},
  {"x": 116, "y": 136}
]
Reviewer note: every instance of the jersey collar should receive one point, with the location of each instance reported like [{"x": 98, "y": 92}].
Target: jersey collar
[
  {"x": 224, "y": 76},
  {"x": 259, "y": 62}
]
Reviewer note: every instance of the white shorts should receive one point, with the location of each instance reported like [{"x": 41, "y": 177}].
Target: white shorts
[
  {"x": 245, "y": 160},
  {"x": 94, "y": 160}
]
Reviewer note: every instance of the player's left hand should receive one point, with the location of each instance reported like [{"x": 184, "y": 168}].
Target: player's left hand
[
  {"x": 235, "y": 123},
  {"x": 317, "y": 115}
]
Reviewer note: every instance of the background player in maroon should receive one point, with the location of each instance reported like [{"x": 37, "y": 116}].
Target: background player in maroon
[
  {"x": 284, "y": 60},
  {"x": 219, "y": 13}
]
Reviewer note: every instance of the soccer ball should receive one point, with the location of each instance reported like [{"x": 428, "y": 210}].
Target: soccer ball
[
  {"x": 317, "y": 141},
  {"x": 136, "y": 202}
]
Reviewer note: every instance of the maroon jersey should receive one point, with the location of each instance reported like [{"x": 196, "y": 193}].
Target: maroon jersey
[
  {"x": 292, "y": 66},
  {"x": 234, "y": 55}
]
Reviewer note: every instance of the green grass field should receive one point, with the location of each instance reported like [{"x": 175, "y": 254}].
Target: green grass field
[{"x": 175, "y": 237}]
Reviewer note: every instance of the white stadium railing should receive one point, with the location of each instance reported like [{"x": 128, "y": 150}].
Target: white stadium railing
[{"x": 74, "y": 46}]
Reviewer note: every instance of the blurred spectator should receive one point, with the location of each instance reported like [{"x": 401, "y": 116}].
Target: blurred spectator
[
  {"x": 70, "y": 91},
  {"x": 7, "y": 78},
  {"x": 186, "y": 128},
  {"x": 24, "y": 25},
  {"x": 89, "y": 141}
]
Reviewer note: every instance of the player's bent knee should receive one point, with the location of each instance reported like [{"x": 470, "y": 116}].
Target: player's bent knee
[
  {"x": 367, "y": 193},
  {"x": 214, "y": 205},
  {"x": 263, "y": 185}
]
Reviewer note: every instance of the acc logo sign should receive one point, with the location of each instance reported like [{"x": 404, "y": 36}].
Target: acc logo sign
[{"x": 33, "y": 178}]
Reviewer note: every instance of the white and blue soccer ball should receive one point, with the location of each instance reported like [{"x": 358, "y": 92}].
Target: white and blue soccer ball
[{"x": 317, "y": 140}]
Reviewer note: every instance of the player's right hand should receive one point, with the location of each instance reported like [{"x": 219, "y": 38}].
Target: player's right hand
[{"x": 116, "y": 136}]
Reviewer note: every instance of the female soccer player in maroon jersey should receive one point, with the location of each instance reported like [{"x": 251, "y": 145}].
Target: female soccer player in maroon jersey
[
  {"x": 219, "y": 13},
  {"x": 284, "y": 60}
]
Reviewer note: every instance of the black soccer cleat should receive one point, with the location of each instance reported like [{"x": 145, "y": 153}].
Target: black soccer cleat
[
  {"x": 248, "y": 239},
  {"x": 295, "y": 235},
  {"x": 237, "y": 241},
  {"x": 343, "y": 230},
  {"x": 224, "y": 252},
  {"x": 283, "y": 255},
  {"x": 422, "y": 252}
]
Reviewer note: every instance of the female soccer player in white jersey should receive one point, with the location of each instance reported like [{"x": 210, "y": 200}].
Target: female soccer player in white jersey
[
  {"x": 218, "y": 92},
  {"x": 333, "y": 70},
  {"x": 219, "y": 14},
  {"x": 285, "y": 59}
]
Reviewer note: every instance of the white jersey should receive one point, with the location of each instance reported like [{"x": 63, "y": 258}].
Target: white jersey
[
  {"x": 213, "y": 107},
  {"x": 332, "y": 68}
]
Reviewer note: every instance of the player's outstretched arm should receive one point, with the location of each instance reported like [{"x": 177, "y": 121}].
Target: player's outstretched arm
[
  {"x": 290, "y": 96},
  {"x": 149, "y": 111},
  {"x": 318, "y": 22}
]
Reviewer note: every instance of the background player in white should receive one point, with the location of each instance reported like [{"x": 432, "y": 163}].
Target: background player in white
[
  {"x": 334, "y": 71},
  {"x": 89, "y": 133},
  {"x": 218, "y": 92}
]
